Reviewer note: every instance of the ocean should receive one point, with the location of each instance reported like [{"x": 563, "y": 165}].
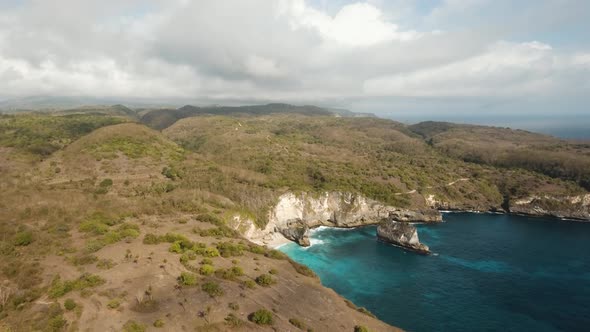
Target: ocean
[{"x": 489, "y": 273}]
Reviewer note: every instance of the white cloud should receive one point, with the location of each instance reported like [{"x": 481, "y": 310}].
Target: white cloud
[
  {"x": 284, "y": 50},
  {"x": 504, "y": 69},
  {"x": 357, "y": 24}
]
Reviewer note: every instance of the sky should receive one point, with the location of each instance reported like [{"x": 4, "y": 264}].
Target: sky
[{"x": 410, "y": 59}]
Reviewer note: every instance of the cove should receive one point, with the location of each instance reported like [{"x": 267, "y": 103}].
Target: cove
[{"x": 489, "y": 273}]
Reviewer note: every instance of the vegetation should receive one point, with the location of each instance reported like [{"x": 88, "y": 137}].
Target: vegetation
[
  {"x": 59, "y": 288},
  {"x": 212, "y": 288},
  {"x": 265, "y": 280},
  {"x": 360, "y": 328},
  {"x": 297, "y": 323},
  {"x": 133, "y": 326},
  {"x": 261, "y": 317},
  {"x": 70, "y": 304},
  {"x": 187, "y": 279},
  {"x": 233, "y": 320}
]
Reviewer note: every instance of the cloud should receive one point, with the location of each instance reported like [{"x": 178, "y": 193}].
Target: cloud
[{"x": 292, "y": 50}]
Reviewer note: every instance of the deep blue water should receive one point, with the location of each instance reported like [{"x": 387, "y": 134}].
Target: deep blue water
[{"x": 490, "y": 273}]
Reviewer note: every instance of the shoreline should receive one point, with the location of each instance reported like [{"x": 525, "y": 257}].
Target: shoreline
[{"x": 279, "y": 240}]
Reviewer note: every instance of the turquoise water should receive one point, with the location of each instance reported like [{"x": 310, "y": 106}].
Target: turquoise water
[{"x": 490, "y": 273}]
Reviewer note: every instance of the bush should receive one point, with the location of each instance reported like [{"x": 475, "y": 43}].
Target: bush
[
  {"x": 360, "y": 328},
  {"x": 69, "y": 304},
  {"x": 105, "y": 264},
  {"x": 106, "y": 183},
  {"x": 113, "y": 304},
  {"x": 233, "y": 306},
  {"x": 206, "y": 270},
  {"x": 265, "y": 280},
  {"x": 261, "y": 317},
  {"x": 187, "y": 279},
  {"x": 273, "y": 271},
  {"x": 159, "y": 323},
  {"x": 23, "y": 238},
  {"x": 210, "y": 252},
  {"x": 151, "y": 239},
  {"x": 249, "y": 284},
  {"x": 297, "y": 323},
  {"x": 59, "y": 288},
  {"x": 206, "y": 261},
  {"x": 231, "y": 273},
  {"x": 212, "y": 288},
  {"x": 228, "y": 249},
  {"x": 275, "y": 254},
  {"x": 133, "y": 326},
  {"x": 233, "y": 320},
  {"x": 302, "y": 269}
]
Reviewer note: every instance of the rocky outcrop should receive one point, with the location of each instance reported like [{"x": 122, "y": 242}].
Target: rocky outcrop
[
  {"x": 296, "y": 231},
  {"x": 401, "y": 234},
  {"x": 568, "y": 207},
  {"x": 426, "y": 215}
]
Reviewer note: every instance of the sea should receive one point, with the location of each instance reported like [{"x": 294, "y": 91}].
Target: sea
[{"x": 489, "y": 272}]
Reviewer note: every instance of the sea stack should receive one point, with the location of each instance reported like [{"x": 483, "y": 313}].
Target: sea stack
[{"x": 401, "y": 234}]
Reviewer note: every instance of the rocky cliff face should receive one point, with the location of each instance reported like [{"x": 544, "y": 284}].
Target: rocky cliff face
[
  {"x": 294, "y": 214},
  {"x": 401, "y": 234},
  {"x": 570, "y": 207}
]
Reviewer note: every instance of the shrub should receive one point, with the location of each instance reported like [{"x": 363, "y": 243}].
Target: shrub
[
  {"x": 151, "y": 239},
  {"x": 133, "y": 326},
  {"x": 210, "y": 252},
  {"x": 206, "y": 261},
  {"x": 231, "y": 273},
  {"x": 94, "y": 245},
  {"x": 265, "y": 280},
  {"x": 23, "y": 238},
  {"x": 297, "y": 323},
  {"x": 233, "y": 306},
  {"x": 275, "y": 254},
  {"x": 360, "y": 328},
  {"x": 84, "y": 259},
  {"x": 59, "y": 288},
  {"x": 273, "y": 271},
  {"x": 69, "y": 304},
  {"x": 233, "y": 320},
  {"x": 228, "y": 249},
  {"x": 302, "y": 269},
  {"x": 261, "y": 317},
  {"x": 57, "y": 323},
  {"x": 187, "y": 279},
  {"x": 106, "y": 183},
  {"x": 105, "y": 264},
  {"x": 212, "y": 288},
  {"x": 113, "y": 304},
  {"x": 249, "y": 284},
  {"x": 159, "y": 323},
  {"x": 365, "y": 311},
  {"x": 206, "y": 270}
]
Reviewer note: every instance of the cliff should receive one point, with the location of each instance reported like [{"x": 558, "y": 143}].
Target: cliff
[
  {"x": 569, "y": 207},
  {"x": 295, "y": 214}
]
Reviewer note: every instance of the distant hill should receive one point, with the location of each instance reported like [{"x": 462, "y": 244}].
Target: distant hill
[
  {"x": 163, "y": 118},
  {"x": 510, "y": 148}
]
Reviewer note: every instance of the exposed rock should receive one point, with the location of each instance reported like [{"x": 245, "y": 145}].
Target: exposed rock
[
  {"x": 297, "y": 232},
  {"x": 305, "y": 210},
  {"x": 427, "y": 215},
  {"x": 401, "y": 234},
  {"x": 569, "y": 207}
]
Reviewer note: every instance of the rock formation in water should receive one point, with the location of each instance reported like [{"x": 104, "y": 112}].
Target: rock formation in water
[{"x": 401, "y": 234}]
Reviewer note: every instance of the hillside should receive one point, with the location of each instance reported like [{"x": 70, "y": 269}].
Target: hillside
[
  {"x": 109, "y": 224},
  {"x": 509, "y": 148},
  {"x": 163, "y": 118}
]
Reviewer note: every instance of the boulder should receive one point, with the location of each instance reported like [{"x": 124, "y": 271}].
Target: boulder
[{"x": 401, "y": 234}]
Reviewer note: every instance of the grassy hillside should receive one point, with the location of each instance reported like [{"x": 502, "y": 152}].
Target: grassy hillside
[
  {"x": 511, "y": 149},
  {"x": 119, "y": 226}
]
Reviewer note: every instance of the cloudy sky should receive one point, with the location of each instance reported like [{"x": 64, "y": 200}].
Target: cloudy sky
[{"x": 386, "y": 56}]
